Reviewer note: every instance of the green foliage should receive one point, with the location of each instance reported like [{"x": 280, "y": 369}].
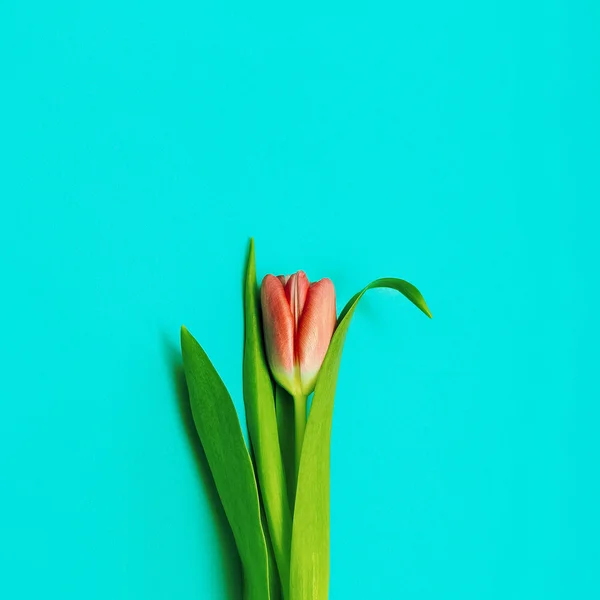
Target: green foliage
[
  {"x": 221, "y": 436},
  {"x": 309, "y": 576},
  {"x": 279, "y": 559},
  {"x": 262, "y": 426}
]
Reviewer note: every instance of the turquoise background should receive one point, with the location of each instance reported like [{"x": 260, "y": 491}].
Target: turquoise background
[{"x": 455, "y": 144}]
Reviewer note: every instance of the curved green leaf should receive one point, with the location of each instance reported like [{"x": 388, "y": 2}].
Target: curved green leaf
[
  {"x": 309, "y": 575},
  {"x": 221, "y": 436},
  {"x": 262, "y": 426}
]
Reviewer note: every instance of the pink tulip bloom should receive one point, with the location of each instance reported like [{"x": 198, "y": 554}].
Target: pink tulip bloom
[{"x": 299, "y": 318}]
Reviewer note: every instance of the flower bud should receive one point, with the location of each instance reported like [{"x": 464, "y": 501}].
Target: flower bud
[{"x": 298, "y": 320}]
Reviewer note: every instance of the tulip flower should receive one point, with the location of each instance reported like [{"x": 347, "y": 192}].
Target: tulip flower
[{"x": 298, "y": 320}]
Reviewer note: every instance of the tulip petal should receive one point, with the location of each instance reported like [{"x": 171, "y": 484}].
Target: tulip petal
[
  {"x": 296, "y": 289},
  {"x": 279, "y": 330},
  {"x": 315, "y": 329}
]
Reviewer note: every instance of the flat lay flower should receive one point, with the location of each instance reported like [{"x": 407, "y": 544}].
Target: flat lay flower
[{"x": 275, "y": 485}]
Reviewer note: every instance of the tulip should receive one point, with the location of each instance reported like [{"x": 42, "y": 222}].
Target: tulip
[{"x": 298, "y": 320}]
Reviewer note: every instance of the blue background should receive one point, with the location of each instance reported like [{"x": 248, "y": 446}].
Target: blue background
[{"x": 455, "y": 144}]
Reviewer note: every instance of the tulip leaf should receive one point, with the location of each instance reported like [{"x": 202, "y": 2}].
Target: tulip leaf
[
  {"x": 262, "y": 426},
  {"x": 309, "y": 575},
  {"x": 219, "y": 430}
]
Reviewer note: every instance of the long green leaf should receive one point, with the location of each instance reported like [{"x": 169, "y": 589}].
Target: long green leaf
[
  {"x": 262, "y": 426},
  {"x": 221, "y": 436},
  {"x": 310, "y": 539}
]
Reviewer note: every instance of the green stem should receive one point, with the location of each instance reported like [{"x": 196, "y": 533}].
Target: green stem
[
  {"x": 299, "y": 427},
  {"x": 284, "y": 407}
]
